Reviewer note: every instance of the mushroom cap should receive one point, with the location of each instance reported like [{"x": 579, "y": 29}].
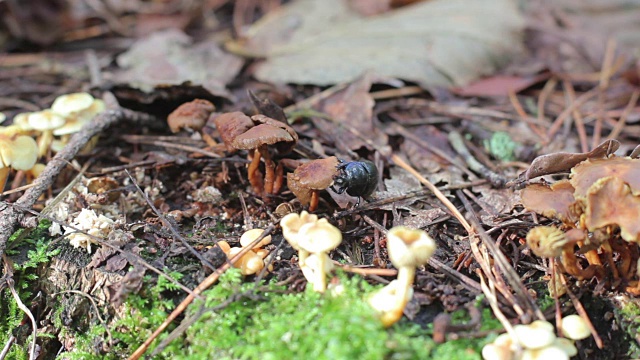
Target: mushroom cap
[
  {"x": 192, "y": 115},
  {"x": 249, "y": 236},
  {"x": 409, "y": 247},
  {"x": 45, "y": 120},
  {"x": 546, "y": 241},
  {"x": 610, "y": 201},
  {"x": 291, "y": 225},
  {"x": 536, "y": 335},
  {"x": 69, "y": 104},
  {"x": 496, "y": 352},
  {"x": 230, "y": 125},
  {"x": 22, "y": 120},
  {"x": 314, "y": 175},
  {"x": 249, "y": 264},
  {"x": 553, "y": 201},
  {"x": 588, "y": 172},
  {"x": 76, "y": 121},
  {"x": 319, "y": 237},
  {"x": 545, "y": 353},
  {"x": 259, "y": 135},
  {"x": 575, "y": 328},
  {"x": 566, "y": 345},
  {"x": 317, "y": 174},
  {"x": 285, "y": 148},
  {"x": 19, "y": 152}
]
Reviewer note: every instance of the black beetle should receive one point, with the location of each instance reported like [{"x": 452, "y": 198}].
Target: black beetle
[{"x": 357, "y": 178}]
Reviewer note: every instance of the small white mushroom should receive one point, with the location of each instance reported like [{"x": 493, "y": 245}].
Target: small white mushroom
[
  {"x": 575, "y": 328},
  {"x": 408, "y": 248}
]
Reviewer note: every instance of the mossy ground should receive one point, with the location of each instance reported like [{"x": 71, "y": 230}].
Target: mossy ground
[{"x": 244, "y": 320}]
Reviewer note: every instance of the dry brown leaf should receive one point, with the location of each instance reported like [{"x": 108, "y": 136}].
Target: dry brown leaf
[
  {"x": 352, "y": 107},
  {"x": 169, "y": 58},
  {"x": 434, "y": 43}
]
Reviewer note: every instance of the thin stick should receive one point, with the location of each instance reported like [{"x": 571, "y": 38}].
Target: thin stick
[
  {"x": 583, "y": 313},
  {"x": 403, "y": 164},
  {"x": 21, "y": 305},
  {"x": 577, "y": 116},
  {"x": 617, "y": 129},
  {"x": 523, "y": 115},
  {"x": 605, "y": 76}
]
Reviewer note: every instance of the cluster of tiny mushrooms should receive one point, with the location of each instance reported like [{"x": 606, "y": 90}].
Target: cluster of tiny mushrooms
[
  {"x": 538, "y": 341},
  {"x": 51, "y": 127},
  {"x": 597, "y": 208}
]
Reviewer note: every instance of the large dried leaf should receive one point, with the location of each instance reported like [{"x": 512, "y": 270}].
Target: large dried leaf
[
  {"x": 170, "y": 58},
  {"x": 439, "y": 42}
]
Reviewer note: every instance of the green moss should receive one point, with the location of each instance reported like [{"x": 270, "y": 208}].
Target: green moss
[
  {"x": 501, "y": 146},
  {"x": 468, "y": 348},
  {"x": 245, "y": 320},
  {"x": 28, "y": 250}
]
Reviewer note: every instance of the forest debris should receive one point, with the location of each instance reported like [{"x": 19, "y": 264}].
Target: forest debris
[{"x": 451, "y": 42}]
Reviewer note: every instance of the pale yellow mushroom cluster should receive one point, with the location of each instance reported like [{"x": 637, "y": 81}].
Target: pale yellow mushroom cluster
[
  {"x": 313, "y": 238},
  {"x": 538, "y": 341},
  {"x": 408, "y": 249},
  {"x": 17, "y": 151},
  {"x": 67, "y": 115},
  {"x": 253, "y": 261}
]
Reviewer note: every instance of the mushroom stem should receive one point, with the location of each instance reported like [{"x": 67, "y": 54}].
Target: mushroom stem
[
  {"x": 570, "y": 264},
  {"x": 302, "y": 257},
  {"x": 277, "y": 185},
  {"x": 320, "y": 285},
  {"x": 252, "y": 173},
  {"x": 405, "y": 281},
  {"x": 269, "y": 171},
  {"x": 313, "y": 204},
  {"x": 4, "y": 174},
  {"x": 44, "y": 141}
]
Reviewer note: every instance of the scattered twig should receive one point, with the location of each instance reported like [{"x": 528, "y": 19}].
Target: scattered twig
[{"x": 457, "y": 142}]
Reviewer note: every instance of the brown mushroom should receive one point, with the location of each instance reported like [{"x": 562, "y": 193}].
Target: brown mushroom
[
  {"x": 588, "y": 172},
  {"x": 553, "y": 202},
  {"x": 610, "y": 202},
  {"x": 308, "y": 179},
  {"x": 191, "y": 115},
  {"x": 257, "y": 133}
]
